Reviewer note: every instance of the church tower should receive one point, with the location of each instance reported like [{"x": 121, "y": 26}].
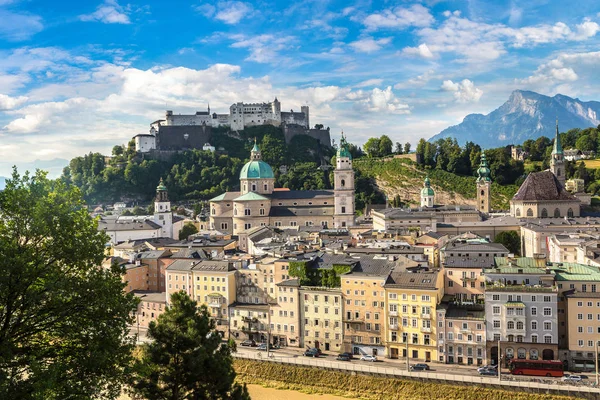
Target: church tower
[
  {"x": 343, "y": 187},
  {"x": 162, "y": 211},
  {"x": 557, "y": 162},
  {"x": 427, "y": 194},
  {"x": 484, "y": 185}
]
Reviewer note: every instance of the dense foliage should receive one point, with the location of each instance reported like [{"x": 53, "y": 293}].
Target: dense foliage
[
  {"x": 511, "y": 240},
  {"x": 64, "y": 318},
  {"x": 186, "y": 358},
  {"x": 187, "y": 230}
]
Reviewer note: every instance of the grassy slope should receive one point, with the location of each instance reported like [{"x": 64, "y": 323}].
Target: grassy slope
[
  {"x": 319, "y": 381},
  {"x": 402, "y": 177}
]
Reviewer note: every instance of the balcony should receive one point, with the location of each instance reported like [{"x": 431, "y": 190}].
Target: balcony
[
  {"x": 426, "y": 316},
  {"x": 394, "y": 327},
  {"x": 426, "y": 329},
  {"x": 215, "y": 304},
  {"x": 393, "y": 313}
]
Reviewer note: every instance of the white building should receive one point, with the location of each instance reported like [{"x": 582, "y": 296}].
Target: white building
[{"x": 144, "y": 142}]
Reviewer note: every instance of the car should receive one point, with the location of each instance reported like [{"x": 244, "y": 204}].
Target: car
[
  {"x": 419, "y": 367},
  {"x": 489, "y": 372},
  {"x": 347, "y": 354},
  {"x": 367, "y": 357},
  {"x": 488, "y": 367},
  {"x": 248, "y": 343},
  {"x": 314, "y": 352},
  {"x": 343, "y": 357},
  {"x": 263, "y": 346},
  {"x": 571, "y": 378}
]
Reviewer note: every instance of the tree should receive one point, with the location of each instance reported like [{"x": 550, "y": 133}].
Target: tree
[
  {"x": 117, "y": 151},
  {"x": 385, "y": 146},
  {"x": 187, "y": 230},
  {"x": 372, "y": 147},
  {"x": 398, "y": 149},
  {"x": 511, "y": 240},
  {"x": 64, "y": 319},
  {"x": 406, "y": 147},
  {"x": 186, "y": 358}
]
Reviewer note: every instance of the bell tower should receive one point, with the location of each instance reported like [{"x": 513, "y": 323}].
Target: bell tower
[
  {"x": 557, "y": 161},
  {"x": 484, "y": 185},
  {"x": 343, "y": 187},
  {"x": 162, "y": 211}
]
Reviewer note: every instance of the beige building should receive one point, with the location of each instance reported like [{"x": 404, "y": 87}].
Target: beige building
[
  {"x": 285, "y": 315},
  {"x": 259, "y": 203},
  {"x": 461, "y": 334},
  {"x": 583, "y": 311},
  {"x": 150, "y": 307},
  {"x": 321, "y": 312},
  {"x": 535, "y": 233}
]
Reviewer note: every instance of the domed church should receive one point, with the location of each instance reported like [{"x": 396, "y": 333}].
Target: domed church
[{"x": 259, "y": 203}]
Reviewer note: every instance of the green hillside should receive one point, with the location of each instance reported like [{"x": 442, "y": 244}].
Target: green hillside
[{"x": 404, "y": 178}]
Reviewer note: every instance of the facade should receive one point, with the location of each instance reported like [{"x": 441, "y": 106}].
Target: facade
[
  {"x": 523, "y": 320},
  {"x": 321, "y": 312},
  {"x": 285, "y": 315},
  {"x": 150, "y": 307},
  {"x": 484, "y": 187},
  {"x": 259, "y": 204},
  {"x": 411, "y": 299},
  {"x": 406, "y": 221},
  {"x": 583, "y": 312},
  {"x": 144, "y": 143},
  {"x": 461, "y": 334}
]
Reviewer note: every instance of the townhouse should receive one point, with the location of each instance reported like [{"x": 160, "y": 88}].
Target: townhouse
[
  {"x": 461, "y": 333},
  {"x": 321, "y": 318},
  {"x": 583, "y": 310}
]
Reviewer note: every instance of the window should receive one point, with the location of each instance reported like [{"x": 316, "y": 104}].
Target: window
[
  {"x": 534, "y": 325},
  {"x": 496, "y": 297},
  {"x": 533, "y": 310},
  {"x": 497, "y": 324},
  {"x": 496, "y": 310},
  {"x": 547, "y": 311},
  {"x": 547, "y": 326}
]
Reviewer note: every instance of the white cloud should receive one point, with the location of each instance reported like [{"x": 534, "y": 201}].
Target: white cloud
[
  {"x": 565, "y": 68},
  {"x": 464, "y": 91},
  {"x": 369, "y": 82},
  {"x": 399, "y": 18},
  {"x": 515, "y": 14},
  {"x": 421, "y": 50},
  {"x": 229, "y": 12},
  {"x": 369, "y": 45},
  {"x": 16, "y": 27},
  {"x": 418, "y": 81},
  {"x": 385, "y": 101},
  {"x": 263, "y": 48},
  {"x": 8, "y": 103},
  {"x": 109, "y": 12}
]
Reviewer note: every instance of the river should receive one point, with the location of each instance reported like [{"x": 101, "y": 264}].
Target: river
[{"x": 258, "y": 392}]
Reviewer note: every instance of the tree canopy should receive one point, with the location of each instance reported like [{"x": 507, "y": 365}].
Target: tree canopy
[
  {"x": 187, "y": 230},
  {"x": 63, "y": 318},
  {"x": 186, "y": 358}
]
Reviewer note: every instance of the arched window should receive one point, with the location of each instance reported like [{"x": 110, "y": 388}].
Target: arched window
[
  {"x": 483, "y": 193},
  {"x": 558, "y": 172},
  {"x": 234, "y": 211},
  {"x": 570, "y": 213},
  {"x": 533, "y": 354},
  {"x": 529, "y": 212},
  {"x": 518, "y": 212},
  {"x": 510, "y": 353},
  {"x": 254, "y": 187},
  {"x": 521, "y": 353},
  {"x": 213, "y": 211},
  {"x": 519, "y": 325},
  {"x": 556, "y": 213},
  {"x": 520, "y": 338},
  {"x": 511, "y": 325},
  {"x": 343, "y": 182},
  {"x": 544, "y": 213}
]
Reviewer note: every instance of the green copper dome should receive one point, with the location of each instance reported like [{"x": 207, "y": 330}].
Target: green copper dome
[
  {"x": 343, "y": 149},
  {"x": 161, "y": 186},
  {"x": 483, "y": 173},
  {"x": 427, "y": 190},
  {"x": 256, "y": 170}
]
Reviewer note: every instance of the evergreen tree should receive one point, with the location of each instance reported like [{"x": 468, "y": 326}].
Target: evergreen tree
[{"x": 186, "y": 358}]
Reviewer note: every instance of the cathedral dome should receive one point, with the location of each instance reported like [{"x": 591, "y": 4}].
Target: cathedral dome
[{"x": 256, "y": 168}]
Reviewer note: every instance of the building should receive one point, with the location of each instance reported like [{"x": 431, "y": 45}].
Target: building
[
  {"x": 150, "y": 307},
  {"x": 286, "y": 327},
  {"x": 321, "y": 312},
  {"x": 518, "y": 154},
  {"x": 461, "y": 333},
  {"x": 407, "y": 221},
  {"x": 523, "y": 320},
  {"x": 427, "y": 194},
  {"x": 259, "y": 203},
  {"x": 563, "y": 248},
  {"x": 411, "y": 299},
  {"x": 535, "y": 233},
  {"x": 484, "y": 187},
  {"x": 583, "y": 313},
  {"x": 144, "y": 142}
]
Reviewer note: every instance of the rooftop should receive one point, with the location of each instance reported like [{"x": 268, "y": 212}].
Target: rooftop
[
  {"x": 412, "y": 280},
  {"x": 542, "y": 186}
]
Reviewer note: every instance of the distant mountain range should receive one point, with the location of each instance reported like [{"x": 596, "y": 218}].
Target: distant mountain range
[{"x": 526, "y": 115}]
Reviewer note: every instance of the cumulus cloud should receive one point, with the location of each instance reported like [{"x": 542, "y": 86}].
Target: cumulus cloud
[
  {"x": 109, "y": 12},
  {"x": 399, "y": 18},
  {"x": 369, "y": 45},
  {"x": 418, "y": 81},
  {"x": 369, "y": 82},
  {"x": 17, "y": 27},
  {"x": 464, "y": 91},
  {"x": 229, "y": 12},
  {"x": 263, "y": 48},
  {"x": 421, "y": 50},
  {"x": 385, "y": 100},
  {"x": 565, "y": 68},
  {"x": 8, "y": 103}
]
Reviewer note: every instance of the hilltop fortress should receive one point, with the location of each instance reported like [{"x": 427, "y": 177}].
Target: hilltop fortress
[{"x": 185, "y": 131}]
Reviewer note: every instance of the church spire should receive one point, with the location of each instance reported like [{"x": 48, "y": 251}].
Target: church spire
[
  {"x": 255, "y": 153},
  {"x": 557, "y": 149}
]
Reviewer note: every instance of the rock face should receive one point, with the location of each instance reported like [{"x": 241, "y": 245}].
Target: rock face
[{"x": 526, "y": 115}]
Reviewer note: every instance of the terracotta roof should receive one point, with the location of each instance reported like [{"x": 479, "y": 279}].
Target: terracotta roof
[{"x": 541, "y": 186}]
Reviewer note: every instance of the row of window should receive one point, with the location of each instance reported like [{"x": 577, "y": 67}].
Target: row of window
[
  {"x": 326, "y": 323},
  {"x": 518, "y": 297},
  {"x": 414, "y": 338},
  {"x": 425, "y": 310},
  {"x": 460, "y": 336},
  {"x": 510, "y": 311},
  {"x": 544, "y": 213},
  {"x": 317, "y": 335},
  {"x": 336, "y": 310},
  {"x": 590, "y": 343},
  {"x": 519, "y": 325},
  {"x": 590, "y": 329}
]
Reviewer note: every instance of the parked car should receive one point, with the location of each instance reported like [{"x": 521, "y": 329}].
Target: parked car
[
  {"x": 263, "y": 346},
  {"x": 248, "y": 343},
  {"x": 367, "y": 357},
  {"x": 343, "y": 357},
  {"x": 489, "y": 372},
  {"x": 347, "y": 354},
  {"x": 419, "y": 367},
  {"x": 488, "y": 367},
  {"x": 314, "y": 352},
  {"x": 571, "y": 378}
]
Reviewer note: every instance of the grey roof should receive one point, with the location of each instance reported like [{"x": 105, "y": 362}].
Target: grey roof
[
  {"x": 145, "y": 225},
  {"x": 190, "y": 253},
  {"x": 300, "y": 194},
  {"x": 476, "y": 247},
  {"x": 182, "y": 265},
  {"x": 155, "y": 297},
  {"x": 129, "y": 244},
  {"x": 289, "y": 282},
  {"x": 384, "y": 250},
  {"x": 414, "y": 280},
  {"x": 542, "y": 186},
  {"x": 302, "y": 211},
  {"x": 361, "y": 265},
  {"x": 475, "y": 311},
  {"x": 214, "y": 265},
  {"x": 200, "y": 243},
  {"x": 152, "y": 254}
]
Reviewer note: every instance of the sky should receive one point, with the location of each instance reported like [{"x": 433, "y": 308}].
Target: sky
[{"x": 81, "y": 76}]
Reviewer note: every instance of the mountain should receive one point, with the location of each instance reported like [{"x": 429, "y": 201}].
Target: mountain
[{"x": 526, "y": 115}]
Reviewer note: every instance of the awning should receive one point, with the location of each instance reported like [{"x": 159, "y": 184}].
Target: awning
[{"x": 515, "y": 304}]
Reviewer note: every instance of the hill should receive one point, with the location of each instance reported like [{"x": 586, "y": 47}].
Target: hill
[
  {"x": 526, "y": 115},
  {"x": 402, "y": 177}
]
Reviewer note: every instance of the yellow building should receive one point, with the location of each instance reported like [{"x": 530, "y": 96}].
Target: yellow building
[
  {"x": 583, "y": 313},
  {"x": 321, "y": 318},
  {"x": 410, "y": 314}
]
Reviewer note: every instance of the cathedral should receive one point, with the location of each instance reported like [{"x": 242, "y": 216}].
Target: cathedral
[
  {"x": 259, "y": 203},
  {"x": 543, "y": 194}
]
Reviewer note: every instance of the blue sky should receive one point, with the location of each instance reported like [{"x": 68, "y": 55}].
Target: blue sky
[{"x": 82, "y": 76}]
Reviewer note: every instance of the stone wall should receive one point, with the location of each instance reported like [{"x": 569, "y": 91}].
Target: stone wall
[{"x": 322, "y": 135}]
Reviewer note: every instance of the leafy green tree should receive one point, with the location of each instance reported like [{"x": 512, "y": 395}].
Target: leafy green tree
[
  {"x": 186, "y": 358},
  {"x": 187, "y": 230},
  {"x": 273, "y": 150},
  {"x": 406, "y": 148},
  {"x": 511, "y": 240},
  {"x": 64, "y": 320},
  {"x": 372, "y": 147},
  {"x": 398, "y": 149},
  {"x": 117, "y": 151},
  {"x": 586, "y": 143},
  {"x": 385, "y": 146}
]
